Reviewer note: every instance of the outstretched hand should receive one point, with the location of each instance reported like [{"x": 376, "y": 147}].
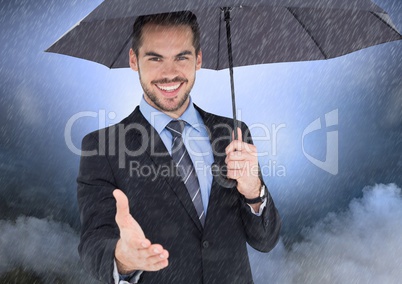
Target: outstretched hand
[{"x": 133, "y": 250}]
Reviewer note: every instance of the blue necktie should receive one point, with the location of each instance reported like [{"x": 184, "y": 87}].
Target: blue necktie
[{"x": 185, "y": 166}]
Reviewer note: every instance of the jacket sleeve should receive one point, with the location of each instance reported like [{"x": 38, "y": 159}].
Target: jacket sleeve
[
  {"x": 262, "y": 232},
  {"x": 99, "y": 231}
]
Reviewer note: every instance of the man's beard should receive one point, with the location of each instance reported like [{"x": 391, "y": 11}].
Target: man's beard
[{"x": 165, "y": 107}]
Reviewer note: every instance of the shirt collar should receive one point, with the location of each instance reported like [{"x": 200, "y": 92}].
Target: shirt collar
[{"x": 159, "y": 120}]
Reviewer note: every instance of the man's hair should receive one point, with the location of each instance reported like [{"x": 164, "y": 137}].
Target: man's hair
[{"x": 186, "y": 18}]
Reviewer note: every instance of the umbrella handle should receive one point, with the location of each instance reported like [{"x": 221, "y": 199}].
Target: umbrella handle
[
  {"x": 220, "y": 177},
  {"x": 219, "y": 173},
  {"x": 227, "y": 18}
]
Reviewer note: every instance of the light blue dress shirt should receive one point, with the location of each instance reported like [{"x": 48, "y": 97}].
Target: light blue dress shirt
[{"x": 196, "y": 140}]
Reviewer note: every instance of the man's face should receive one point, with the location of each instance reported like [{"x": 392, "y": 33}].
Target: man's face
[{"x": 166, "y": 64}]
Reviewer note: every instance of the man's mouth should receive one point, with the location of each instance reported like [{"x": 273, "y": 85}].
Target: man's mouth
[{"x": 168, "y": 88}]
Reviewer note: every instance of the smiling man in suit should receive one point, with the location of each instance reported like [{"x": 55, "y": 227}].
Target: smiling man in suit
[{"x": 151, "y": 210}]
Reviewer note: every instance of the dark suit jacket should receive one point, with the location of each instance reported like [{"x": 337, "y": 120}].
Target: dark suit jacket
[{"x": 128, "y": 156}]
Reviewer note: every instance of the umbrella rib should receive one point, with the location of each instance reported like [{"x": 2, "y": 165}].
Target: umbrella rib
[
  {"x": 384, "y": 22},
  {"x": 121, "y": 50},
  {"x": 219, "y": 40},
  {"x": 308, "y": 32}
]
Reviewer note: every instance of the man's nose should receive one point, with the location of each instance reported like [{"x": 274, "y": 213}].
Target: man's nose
[{"x": 169, "y": 69}]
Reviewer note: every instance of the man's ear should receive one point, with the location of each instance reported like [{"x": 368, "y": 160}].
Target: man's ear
[
  {"x": 133, "y": 60},
  {"x": 199, "y": 61}
]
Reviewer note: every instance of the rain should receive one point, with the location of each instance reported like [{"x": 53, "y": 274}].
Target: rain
[{"x": 341, "y": 219}]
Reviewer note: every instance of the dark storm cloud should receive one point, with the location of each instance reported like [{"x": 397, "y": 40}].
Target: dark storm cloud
[
  {"x": 359, "y": 245},
  {"x": 42, "y": 247}
]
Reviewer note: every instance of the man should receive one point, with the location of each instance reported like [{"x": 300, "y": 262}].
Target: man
[{"x": 152, "y": 215}]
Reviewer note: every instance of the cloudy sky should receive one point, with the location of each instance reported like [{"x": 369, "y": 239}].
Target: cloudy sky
[{"x": 344, "y": 224}]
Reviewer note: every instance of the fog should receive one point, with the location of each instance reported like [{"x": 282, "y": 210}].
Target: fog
[
  {"x": 45, "y": 247},
  {"x": 359, "y": 245}
]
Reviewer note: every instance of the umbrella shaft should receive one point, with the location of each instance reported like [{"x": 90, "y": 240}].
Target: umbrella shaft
[{"x": 230, "y": 56}]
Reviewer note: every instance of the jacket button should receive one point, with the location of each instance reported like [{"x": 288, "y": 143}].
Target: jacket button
[{"x": 205, "y": 244}]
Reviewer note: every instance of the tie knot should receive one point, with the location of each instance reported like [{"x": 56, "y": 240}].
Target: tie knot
[{"x": 176, "y": 127}]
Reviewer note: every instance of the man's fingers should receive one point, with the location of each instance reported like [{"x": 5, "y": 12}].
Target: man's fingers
[
  {"x": 236, "y": 165},
  {"x": 239, "y": 134},
  {"x": 158, "y": 265},
  {"x": 236, "y": 147},
  {"x": 249, "y": 152},
  {"x": 158, "y": 257},
  {"x": 140, "y": 244},
  {"x": 235, "y": 144},
  {"x": 153, "y": 258},
  {"x": 153, "y": 250},
  {"x": 146, "y": 252}
]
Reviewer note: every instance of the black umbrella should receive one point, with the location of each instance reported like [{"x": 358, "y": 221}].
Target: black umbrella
[{"x": 260, "y": 31}]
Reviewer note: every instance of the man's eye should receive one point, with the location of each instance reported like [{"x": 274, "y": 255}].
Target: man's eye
[
  {"x": 155, "y": 59},
  {"x": 181, "y": 58}
]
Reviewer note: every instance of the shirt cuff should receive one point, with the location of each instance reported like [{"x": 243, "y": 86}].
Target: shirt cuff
[
  {"x": 262, "y": 206},
  {"x": 125, "y": 279}
]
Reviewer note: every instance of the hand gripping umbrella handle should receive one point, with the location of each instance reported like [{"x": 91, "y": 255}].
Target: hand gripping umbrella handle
[{"x": 219, "y": 173}]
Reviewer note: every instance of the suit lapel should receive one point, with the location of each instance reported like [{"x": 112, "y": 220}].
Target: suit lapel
[
  {"x": 160, "y": 157},
  {"x": 220, "y": 131}
]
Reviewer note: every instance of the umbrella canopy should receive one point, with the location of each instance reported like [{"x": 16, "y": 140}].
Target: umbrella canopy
[{"x": 262, "y": 31}]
